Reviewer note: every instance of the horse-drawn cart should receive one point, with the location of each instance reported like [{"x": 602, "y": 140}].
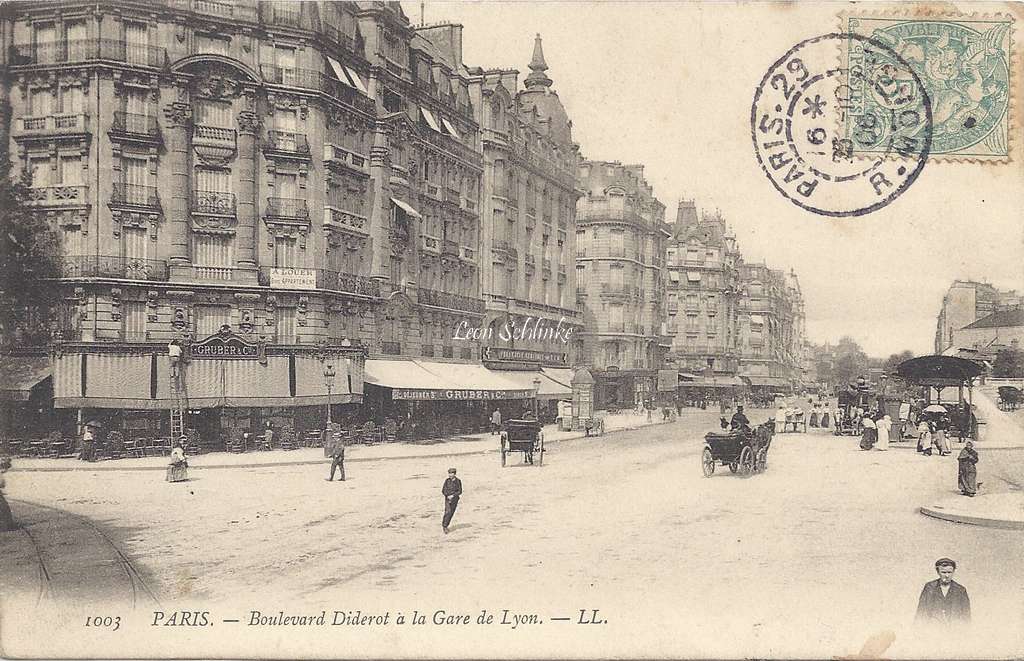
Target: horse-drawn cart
[
  {"x": 743, "y": 451},
  {"x": 524, "y": 436}
]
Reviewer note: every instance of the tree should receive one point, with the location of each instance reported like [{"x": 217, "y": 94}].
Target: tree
[
  {"x": 1008, "y": 363},
  {"x": 851, "y": 361},
  {"x": 893, "y": 361},
  {"x": 30, "y": 263}
]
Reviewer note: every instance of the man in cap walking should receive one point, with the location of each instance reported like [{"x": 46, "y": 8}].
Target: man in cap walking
[
  {"x": 944, "y": 601},
  {"x": 451, "y": 490}
]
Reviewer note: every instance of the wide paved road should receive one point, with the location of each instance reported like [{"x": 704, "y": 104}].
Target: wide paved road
[{"x": 813, "y": 557}]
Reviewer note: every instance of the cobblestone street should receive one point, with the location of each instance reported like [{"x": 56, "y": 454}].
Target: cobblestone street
[{"x": 625, "y": 524}]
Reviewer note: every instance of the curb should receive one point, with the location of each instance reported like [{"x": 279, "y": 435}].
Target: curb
[
  {"x": 937, "y": 512},
  {"x": 305, "y": 462}
]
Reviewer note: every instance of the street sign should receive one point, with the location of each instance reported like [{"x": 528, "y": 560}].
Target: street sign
[{"x": 292, "y": 278}]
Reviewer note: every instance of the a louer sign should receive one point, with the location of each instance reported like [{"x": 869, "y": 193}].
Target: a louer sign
[{"x": 290, "y": 278}]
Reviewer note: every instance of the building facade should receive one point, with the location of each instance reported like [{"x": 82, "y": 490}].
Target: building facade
[
  {"x": 621, "y": 240},
  {"x": 965, "y": 302},
  {"x": 1003, "y": 329},
  {"x": 307, "y": 178},
  {"x": 728, "y": 318},
  {"x": 529, "y": 218}
]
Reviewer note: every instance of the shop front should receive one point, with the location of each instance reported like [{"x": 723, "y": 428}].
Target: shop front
[
  {"x": 25, "y": 397},
  {"x": 226, "y": 385},
  {"x": 428, "y": 399},
  {"x": 527, "y": 368}
]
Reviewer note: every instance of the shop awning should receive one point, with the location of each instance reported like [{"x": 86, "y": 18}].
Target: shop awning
[
  {"x": 549, "y": 388},
  {"x": 561, "y": 375},
  {"x": 431, "y": 122},
  {"x": 356, "y": 80},
  {"x": 766, "y": 381},
  {"x": 716, "y": 382},
  {"x": 687, "y": 376},
  {"x": 451, "y": 129},
  {"x": 339, "y": 71},
  {"x": 142, "y": 382},
  {"x": 428, "y": 380},
  {"x": 404, "y": 206},
  {"x": 20, "y": 374}
]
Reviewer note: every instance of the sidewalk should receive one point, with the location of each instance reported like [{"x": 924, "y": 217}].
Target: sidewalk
[
  {"x": 991, "y": 510},
  {"x": 460, "y": 445}
]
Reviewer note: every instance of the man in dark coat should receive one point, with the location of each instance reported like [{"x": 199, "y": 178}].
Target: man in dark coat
[
  {"x": 451, "y": 490},
  {"x": 739, "y": 420},
  {"x": 944, "y": 601}
]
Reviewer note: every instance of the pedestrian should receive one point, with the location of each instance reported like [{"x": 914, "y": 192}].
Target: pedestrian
[
  {"x": 177, "y": 470},
  {"x": 88, "y": 445},
  {"x": 6, "y": 518},
  {"x": 451, "y": 490},
  {"x": 939, "y": 435},
  {"x": 649, "y": 406},
  {"x": 335, "y": 444},
  {"x": 882, "y": 428},
  {"x": 904, "y": 416},
  {"x": 268, "y": 436},
  {"x": 495, "y": 421},
  {"x": 967, "y": 476},
  {"x": 780, "y": 419},
  {"x": 944, "y": 601},
  {"x": 679, "y": 407},
  {"x": 924, "y": 437},
  {"x": 869, "y": 434}
]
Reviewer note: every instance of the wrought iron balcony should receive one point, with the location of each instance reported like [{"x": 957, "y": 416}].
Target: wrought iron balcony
[
  {"x": 83, "y": 50},
  {"x": 334, "y": 216},
  {"x": 287, "y": 142},
  {"x": 108, "y": 266},
  {"x": 431, "y": 243},
  {"x": 135, "y": 196},
  {"x": 335, "y": 155},
  {"x": 349, "y": 283},
  {"x": 58, "y": 196},
  {"x": 287, "y": 207},
  {"x": 213, "y": 202},
  {"x": 450, "y": 301},
  {"x": 129, "y": 124}
]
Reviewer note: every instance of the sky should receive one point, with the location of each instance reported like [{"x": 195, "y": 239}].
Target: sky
[{"x": 670, "y": 85}]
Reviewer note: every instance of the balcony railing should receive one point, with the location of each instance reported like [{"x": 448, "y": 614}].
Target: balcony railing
[
  {"x": 349, "y": 283},
  {"x": 287, "y": 142},
  {"x": 82, "y": 50},
  {"x": 293, "y": 77},
  {"x": 442, "y": 299},
  {"x": 53, "y": 124},
  {"x": 215, "y": 136},
  {"x": 135, "y": 124},
  {"x": 622, "y": 290},
  {"x": 345, "y": 41},
  {"x": 107, "y": 266},
  {"x": 506, "y": 246},
  {"x": 344, "y": 219},
  {"x": 287, "y": 207},
  {"x": 202, "y": 272},
  {"x": 333, "y": 154},
  {"x": 213, "y": 202},
  {"x": 234, "y": 10},
  {"x": 431, "y": 243},
  {"x": 284, "y": 13},
  {"x": 60, "y": 195},
  {"x": 135, "y": 195}
]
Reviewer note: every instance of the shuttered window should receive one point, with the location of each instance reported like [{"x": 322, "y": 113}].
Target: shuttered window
[
  {"x": 286, "y": 252},
  {"x": 284, "y": 318},
  {"x": 72, "y": 100},
  {"x": 136, "y": 38},
  {"x": 213, "y": 113},
  {"x": 135, "y": 242},
  {"x": 136, "y": 103},
  {"x": 213, "y": 180},
  {"x": 209, "y": 319},
  {"x": 212, "y": 256},
  {"x": 46, "y": 43},
  {"x": 133, "y": 315}
]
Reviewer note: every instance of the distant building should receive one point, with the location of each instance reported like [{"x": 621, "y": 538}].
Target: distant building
[
  {"x": 1000, "y": 330},
  {"x": 965, "y": 302},
  {"x": 620, "y": 246}
]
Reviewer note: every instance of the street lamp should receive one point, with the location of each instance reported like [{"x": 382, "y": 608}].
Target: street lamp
[
  {"x": 329, "y": 375},
  {"x": 536, "y": 396}
]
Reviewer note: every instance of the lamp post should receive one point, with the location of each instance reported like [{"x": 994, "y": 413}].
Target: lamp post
[
  {"x": 536, "y": 396},
  {"x": 329, "y": 375}
]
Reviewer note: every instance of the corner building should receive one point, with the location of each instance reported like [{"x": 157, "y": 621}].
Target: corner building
[{"x": 621, "y": 240}]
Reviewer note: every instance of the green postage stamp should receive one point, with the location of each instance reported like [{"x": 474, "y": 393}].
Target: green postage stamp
[{"x": 964, "y": 64}]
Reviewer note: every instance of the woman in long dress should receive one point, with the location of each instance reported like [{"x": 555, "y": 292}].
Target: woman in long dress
[
  {"x": 869, "y": 435},
  {"x": 967, "y": 477},
  {"x": 780, "y": 419},
  {"x": 882, "y": 427},
  {"x": 941, "y": 442}
]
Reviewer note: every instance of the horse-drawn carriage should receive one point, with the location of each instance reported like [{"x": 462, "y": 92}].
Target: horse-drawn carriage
[
  {"x": 848, "y": 421},
  {"x": 744, "y": 451},
  {"x": 524, "y": 436},
  {"x": 1009, "y": 398}
]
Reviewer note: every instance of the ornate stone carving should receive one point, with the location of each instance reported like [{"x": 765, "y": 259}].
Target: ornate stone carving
[
  {"x": 248, "y": 122},
  {"x": 217, "y": 83},
  {"x": 121, "y": 218},
  {"x": 214, "y": 224},
  {"x": 247, "y": 320},
  {"x": 178, "y": 114},
  {"x": 180, "y": 320},
  {"x": 302, "y": 310}
]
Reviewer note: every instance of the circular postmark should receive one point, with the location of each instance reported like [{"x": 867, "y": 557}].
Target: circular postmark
[{"x": 811, "y": 116}]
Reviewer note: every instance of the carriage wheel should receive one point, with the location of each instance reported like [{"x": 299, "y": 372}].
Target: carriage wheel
[
  {"x": 761, "y": 465},
  {"x": 707, "y": 462},
  {"x": 746, "y": 461},
  {"x": 503, "y": 451}
]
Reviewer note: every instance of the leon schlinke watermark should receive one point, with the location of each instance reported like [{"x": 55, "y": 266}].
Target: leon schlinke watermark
[{"x": 531, "y": 328}]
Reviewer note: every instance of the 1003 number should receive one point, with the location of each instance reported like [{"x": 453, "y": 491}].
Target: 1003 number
[{"x": 106, "y": 622}]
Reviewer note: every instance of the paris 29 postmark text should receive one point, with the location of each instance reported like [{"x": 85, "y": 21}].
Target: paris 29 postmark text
[{"x": 798, "y": 125}]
